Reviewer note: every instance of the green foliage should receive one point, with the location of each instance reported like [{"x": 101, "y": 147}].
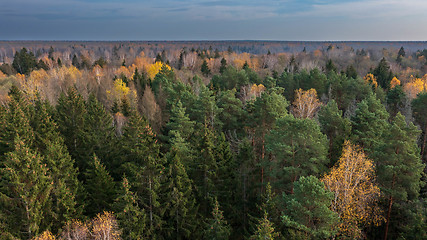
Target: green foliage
[
  {"x": 24, "y": 190},
  {"x": 335, "y": 127},
  {"x": 298, "y": 148},
  {"x": 265, "y": 230},
  {"x": 24, "y": 62},
  {"x": 132, "y": 219},
  {"x": 205, "y": 68},
  {"x": 217, "y": 227},
  {"x": 396, "y": 99},
  {"x": 100, "y": 188},
  {"x": 383, "y": 74},
  {"x": 307, "y": 214},
  {"x": 369, "y": 123}
]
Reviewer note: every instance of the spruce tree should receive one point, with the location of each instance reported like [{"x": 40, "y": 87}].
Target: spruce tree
[
  {"x": 70, "y": 116},
  {"x": 217, "y": 227},
  {"x": 205, "y": 68},
  {"x": 180, "y": 122},
  {"x": 180, "y": 208},
  {"x": 25, "y": 189},
  {"x": 265, "y": 230},
  {"x": 99, "y": 187},
  {"x": 223, "y": 66},
  {"x": 132, "y": 219},
  {"x": 144, "y": 167}
]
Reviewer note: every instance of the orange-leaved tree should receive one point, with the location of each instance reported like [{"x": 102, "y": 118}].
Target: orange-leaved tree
[{"x": 352, "y": 181}]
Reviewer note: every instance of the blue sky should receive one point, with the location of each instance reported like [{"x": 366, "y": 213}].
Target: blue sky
[{"x": 311, "y": 20}]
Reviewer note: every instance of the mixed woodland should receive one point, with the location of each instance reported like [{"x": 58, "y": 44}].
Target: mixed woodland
[{"x": 120, "y": 141}]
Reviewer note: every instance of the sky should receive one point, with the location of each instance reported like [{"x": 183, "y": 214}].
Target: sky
[{"x": 287, "y": 20}]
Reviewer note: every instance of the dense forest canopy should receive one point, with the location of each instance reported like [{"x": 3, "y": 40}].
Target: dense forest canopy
[{"x": 213, "y": 140}]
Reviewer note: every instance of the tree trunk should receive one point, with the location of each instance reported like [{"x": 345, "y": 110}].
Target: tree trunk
[{"x": 388, "y": 217}]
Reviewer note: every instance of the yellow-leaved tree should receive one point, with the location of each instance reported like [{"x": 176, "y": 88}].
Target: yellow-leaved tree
[
  {"x": 394, "y": 82},
  {"x": 370, "y": 79},
  {"x": 155, "y": 68},
  {"x": 306, "y": 103},
  {"x": 352, "y": 181}
]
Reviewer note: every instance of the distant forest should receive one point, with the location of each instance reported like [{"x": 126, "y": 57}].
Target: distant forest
[{"x": 213, "y": 140}]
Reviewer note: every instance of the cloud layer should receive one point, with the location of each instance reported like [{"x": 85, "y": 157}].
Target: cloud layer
[{"x": 213, "y": 19}]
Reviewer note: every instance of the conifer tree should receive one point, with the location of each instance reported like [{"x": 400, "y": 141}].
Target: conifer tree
[
  {"x": 299, "y": 149},
  {"x": 335, "y": 127},
  {"x": 99, "y": 187},
  {"x": 132, "y": 219},
  {"x": 307, "y": 214},
  {"x": 217, "y": 227},
  {"x": 223, "y": 66},
  {"x": 399, "y": 166},
  {"x": 15, "y": 121},
  {"x": 145, "y": 168},
  {"x": 25, "y": 188},
  {"x": 265, "y": 230},
  {"x": 180, "y": 208},
  {"x": 180, "y": 122},
  {"x": 205, "y": 68},
  {"x": 70, "y": 116},
  {"x": 369, "y": 123}
]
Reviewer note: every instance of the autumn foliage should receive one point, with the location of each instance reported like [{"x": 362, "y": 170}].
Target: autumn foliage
[
  {"x": 306, "y": 103},
  {"x": 352, "y": 181}
]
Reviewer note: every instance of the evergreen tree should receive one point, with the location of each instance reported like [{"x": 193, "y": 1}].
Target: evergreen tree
[
  {"x": 24, "y": 62},
  {"x": 330, "y": 66},
  {"x": 223, "y": 65},
  {"x": 335, "y": 127},
  {"x": 399, "y": 168},
  {"x": 307, "y": 214},
  {"x": 232, "y": 114},
  {"x": 98, "y": 134},
  {"x": 351, "y": 72},
  {"x": 100, "y": 188},
  {"x": 70, "y": 116},
  {"x": 299, "y": 149},
  {"x": 15, "y": 121},
  {"x": 383, "y": 74},
  {"x": 217, "y": 227},
  {"x": 180, "y": 204},
  {"x": 265, "y": 230},
  {"x": 144, "y": 166},
  {"x": 75, "y": 61},
  {"x": 395, "y": 100},
  {"x": 180, "y": 122},
  {"x": 205, "y": 68},
  {"x": 419, "y": 108},
  {"x": 25, "y": 188},
  {"x": 132, "y": 219},
  {"x": 369, "y": 123}
]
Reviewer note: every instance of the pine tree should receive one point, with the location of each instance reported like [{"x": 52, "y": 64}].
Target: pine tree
[
  {"x": 369, "y": 123},
  {"x": 99, "y": 187},
  {"x": 399, "y": 166},
  {"x": 25, "y": 189},
  {"x": 307, "y": 214},
  {"x": 299, "y": 148},
  {"x": 132, "y": 219},
  {"x": 180, "y": 208},
  {"x": 217, "y": 227}
]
